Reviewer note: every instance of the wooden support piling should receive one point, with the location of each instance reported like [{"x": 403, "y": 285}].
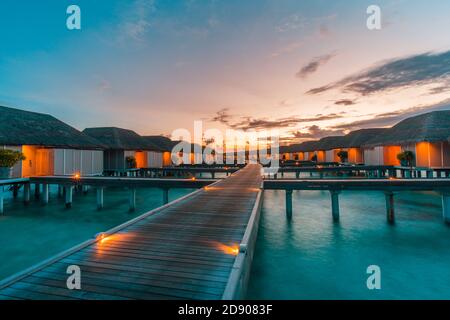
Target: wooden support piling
[
  {"x": 2, "y": 191},
  {"x": 16, "y": 191},
  {"x": 100, "y": 198},
  {"x": 26, "y": 193},
  {"x": 289, "y": 204},
  {"x": 165, "y": 196},
  {"x": 390, "y": 213},
  {"x": 132, "y": 199},
  {"x": 335, "y": 204},
  {"x": 37, "y": 190},
  {"x": 68, "y": 196},
  {"x": 45, "y": 193},
  {"x": 446, "y": 207}
]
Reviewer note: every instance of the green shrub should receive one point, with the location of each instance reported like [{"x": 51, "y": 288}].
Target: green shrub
[
  {"x": 8, "y": 158},
  {"x": 131, "y": 162},
  {"x": 343, "y": 155},
  {"x": 406, "y": 157}
]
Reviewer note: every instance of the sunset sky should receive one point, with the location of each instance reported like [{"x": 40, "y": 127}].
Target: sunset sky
[{"x": 310, "y": 68}]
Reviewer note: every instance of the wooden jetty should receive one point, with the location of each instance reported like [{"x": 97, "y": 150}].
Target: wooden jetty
[
  {"x": 365, "y": 171},
  {"x": 197, "y": 247},
  {"x": 388, "y": 186}
]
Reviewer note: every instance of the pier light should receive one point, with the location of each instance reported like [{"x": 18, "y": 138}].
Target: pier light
[
  {"x": 230, "y": 250},
  {"x": 193, "y": 178},
  {"x": 101, "y": 237},
  {"x": 77, "y": 176}
]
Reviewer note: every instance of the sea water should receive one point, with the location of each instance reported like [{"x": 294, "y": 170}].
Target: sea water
[{"x": 311, "y": 257}]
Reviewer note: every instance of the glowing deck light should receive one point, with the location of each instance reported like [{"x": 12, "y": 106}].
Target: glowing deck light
[
  {"x": 232, "y": 250},
  {"x": 193, "y": 178},
  {"x": 102, "y": 237},
  {"x": 76, "y": 176}
]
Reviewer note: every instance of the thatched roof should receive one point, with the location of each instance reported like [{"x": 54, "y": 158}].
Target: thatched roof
[
  {"x": 305, "y": 146},
  {"x": 164, "y": 143},
  {"x": 120, "y": 139},
  {"x": 19, "y": 127},
  {"x": 356, "y": 139},
  {"x": 428, "y": 127},
  {"x": 331, "y": 142}
]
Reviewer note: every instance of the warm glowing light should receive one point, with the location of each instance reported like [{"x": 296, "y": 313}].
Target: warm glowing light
[
  {"x": 319, "y": 167},
  {"x": 77, "y": 176},
  {"x": 231, "y": 250},
  {"x": 297, "y": 163},
  {"x": 193, "y": 178},
  {"x": 102, "y": 237}
]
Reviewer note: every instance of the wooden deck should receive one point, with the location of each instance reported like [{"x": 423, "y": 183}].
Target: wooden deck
[{"x": 173, "y": 252}]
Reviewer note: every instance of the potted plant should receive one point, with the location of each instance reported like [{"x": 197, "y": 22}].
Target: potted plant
[
  {"x": 406, "y": 158},
  {"x": 343, "y": 155},
  {"x": 8, "y": 158},
  {"x": 131, "y": 162}
]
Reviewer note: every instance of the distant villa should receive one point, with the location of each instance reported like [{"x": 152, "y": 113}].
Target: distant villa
[{"x": 426, "y": 135}]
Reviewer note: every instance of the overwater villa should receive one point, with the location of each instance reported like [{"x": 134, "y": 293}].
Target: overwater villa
[
  {"x": 165, "y": 145},
  {"x": 50, "y": 146},
  {"x": 426, "y": 136},
  {"x": 125, "y": 149},
  {"x": 351, "y": 143}
]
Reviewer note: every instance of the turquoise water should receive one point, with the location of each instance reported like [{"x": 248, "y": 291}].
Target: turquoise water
[
  {"x": 314, "y": 258},
  {"x": 29, "y": 235}
]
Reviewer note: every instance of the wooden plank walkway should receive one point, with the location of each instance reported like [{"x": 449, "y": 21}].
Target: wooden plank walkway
[{"x": 176, "y": 252}]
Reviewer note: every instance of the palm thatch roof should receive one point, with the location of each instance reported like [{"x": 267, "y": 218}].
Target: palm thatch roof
[
  {"x": 120, "y": 139},
  {"x": 20, "y": 127},
  {"x": 429, "y": 127},
  {"x": 331, "y": 142},
  {"x": 306, "y": 146},
  {"x": 163, "y": 143},
  {"x": 356, "y": 139}
]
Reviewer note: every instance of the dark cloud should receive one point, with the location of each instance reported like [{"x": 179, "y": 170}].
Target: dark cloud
[
  {"x": 344, "y": 102},
  {"x": 391, "y": 118},
  {"x": 247, "y": 123},
  {"x": 314, "y": 65},
  {"x": 222, "y": 116},
  {"x": 399, "y": 73},
  {"x": 315, "y": 132}
]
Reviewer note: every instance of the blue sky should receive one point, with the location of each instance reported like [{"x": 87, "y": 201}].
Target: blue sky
[{"x": 155, "y": 66}]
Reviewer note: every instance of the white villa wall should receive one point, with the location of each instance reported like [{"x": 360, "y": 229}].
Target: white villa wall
[
  {"x": 373, "y": 156},
  {"x": 154, "y": 159},
  {"x": 84, "y": 162}
]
